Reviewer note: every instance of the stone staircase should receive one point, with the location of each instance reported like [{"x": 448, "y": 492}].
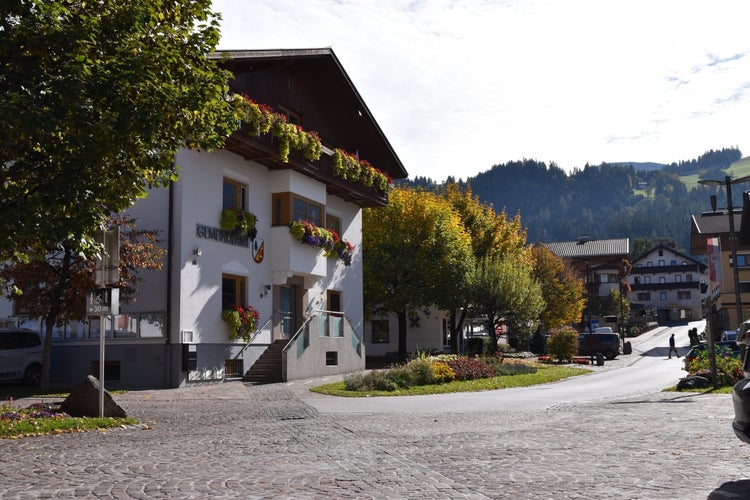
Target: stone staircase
[{"x": 267, "y": 369}]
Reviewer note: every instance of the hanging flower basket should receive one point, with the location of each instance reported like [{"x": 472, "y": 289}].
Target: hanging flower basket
[
  {"x": 241, "y": 321},
  {"x": 333, "y": 246},
  {"x": 262, "y": 119},
  {"x": 239, "y": 221},
  {"x": 348, "y": 167}
]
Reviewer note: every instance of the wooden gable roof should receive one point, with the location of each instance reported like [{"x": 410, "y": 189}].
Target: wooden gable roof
[{"x": 313, "y": 85}]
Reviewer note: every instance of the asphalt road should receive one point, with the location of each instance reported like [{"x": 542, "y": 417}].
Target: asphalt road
[{"x": 648, "y": 369}]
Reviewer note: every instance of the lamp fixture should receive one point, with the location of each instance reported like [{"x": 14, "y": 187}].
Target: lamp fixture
[{"x": 197, "y": 252}]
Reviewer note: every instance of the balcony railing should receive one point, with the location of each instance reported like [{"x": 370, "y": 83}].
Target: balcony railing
[
  {"x": 681, "y": 285},
  {"x": 681, "y": 268},
  {"x": 263, "y": 149}
]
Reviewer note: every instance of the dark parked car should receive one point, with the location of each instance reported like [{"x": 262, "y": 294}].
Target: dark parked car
[
  {"x": 740, "y": 396},
  {"x": 607, "y": 344},
  {"x": 20, "y": 356}
]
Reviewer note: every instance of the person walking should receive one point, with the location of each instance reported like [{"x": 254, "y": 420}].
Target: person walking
[{"x": 672, "y": 347}]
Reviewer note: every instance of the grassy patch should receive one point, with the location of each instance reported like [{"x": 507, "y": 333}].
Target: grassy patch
[
  {"x": 39, "y": 419},
  {"x": 45, "y": 418},
  {"x": 740, "y": 168},
  {"x": 544, "y": 375}
]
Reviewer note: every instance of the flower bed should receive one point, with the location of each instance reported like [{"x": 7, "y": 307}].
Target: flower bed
[{"x": 579, "y": 360}]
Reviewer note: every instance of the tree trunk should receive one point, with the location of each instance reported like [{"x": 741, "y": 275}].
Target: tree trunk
[
  {"x": 49, "y": 324},
  {"x": 492, "y": 334},
  {"x": 456, "y": 328}
]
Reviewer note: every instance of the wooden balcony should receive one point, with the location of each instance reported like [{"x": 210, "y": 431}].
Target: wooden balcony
[{"x": 264, "y": 150}]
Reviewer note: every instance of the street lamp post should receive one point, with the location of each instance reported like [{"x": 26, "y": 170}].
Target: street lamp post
[
  {"x": 727, "y": 182},
  {"x": 587, "y": 312}
]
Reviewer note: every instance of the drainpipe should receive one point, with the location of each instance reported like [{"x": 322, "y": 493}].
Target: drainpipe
[{"x": 168, "y": 319}]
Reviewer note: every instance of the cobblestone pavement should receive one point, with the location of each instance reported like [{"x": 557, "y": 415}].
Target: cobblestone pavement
[{"x": 240, "y": 441}]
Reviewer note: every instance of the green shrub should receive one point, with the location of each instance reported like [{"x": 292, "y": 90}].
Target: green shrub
[
  {"x": 420, "y": 370},
  {"x": 377, "y": 380},
  {"x": 563, "y": 343},
  {"x": 354, "y": 381},
  {"x": 728, "y": 367},
  {"x": 401, "y": 377}
]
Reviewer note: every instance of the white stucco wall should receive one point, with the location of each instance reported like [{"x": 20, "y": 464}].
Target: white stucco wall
[
  {"x": 427, "y": 336},
  {"x": 198, "y": 200}
]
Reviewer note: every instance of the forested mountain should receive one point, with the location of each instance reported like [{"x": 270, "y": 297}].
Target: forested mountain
[{"x": 604, "y": 201}]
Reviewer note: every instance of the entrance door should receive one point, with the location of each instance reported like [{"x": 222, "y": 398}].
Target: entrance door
[{"x": 288, "y": 310}]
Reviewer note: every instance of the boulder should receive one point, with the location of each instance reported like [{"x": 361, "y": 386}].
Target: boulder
[
  {"x": 692, "y": 382},
  {"x": 83, "y": 401}
]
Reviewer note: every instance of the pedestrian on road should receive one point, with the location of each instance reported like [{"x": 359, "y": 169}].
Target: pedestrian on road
[{"x": 672, "y": 347}]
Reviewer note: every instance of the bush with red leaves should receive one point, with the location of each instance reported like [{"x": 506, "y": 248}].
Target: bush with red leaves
[{"x": 470, "y": 368}]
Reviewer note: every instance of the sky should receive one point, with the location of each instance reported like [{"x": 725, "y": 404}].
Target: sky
[{"x": 458, "y": 86}]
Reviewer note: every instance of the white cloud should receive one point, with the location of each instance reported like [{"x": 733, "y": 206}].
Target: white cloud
[{"x": 458, "y": 86}]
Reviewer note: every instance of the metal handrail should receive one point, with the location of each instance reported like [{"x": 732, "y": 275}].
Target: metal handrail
[
  {"x": 308, "y": 318},
  {"x": 256, "y": 333},
  {"x": 316, "y": 312}
]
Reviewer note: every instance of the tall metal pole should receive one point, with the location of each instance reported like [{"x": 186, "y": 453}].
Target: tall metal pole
[{"x": 733, "y": 244}]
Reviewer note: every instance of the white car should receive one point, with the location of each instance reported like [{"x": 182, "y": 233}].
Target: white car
[{"x": 20, "y": 356}]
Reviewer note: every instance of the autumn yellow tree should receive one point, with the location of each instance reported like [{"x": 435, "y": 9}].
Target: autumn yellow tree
[
  {"x": 493, "y": 237},
  {"x": 563, "y": 290},
  {"x": 416, "y": 254}
]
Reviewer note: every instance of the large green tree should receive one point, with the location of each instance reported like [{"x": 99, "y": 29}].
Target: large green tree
[
  {"x": 416, "y": 254},
  {"x": 505, "y": 290},
  {"x": 96, "y": 99}
]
